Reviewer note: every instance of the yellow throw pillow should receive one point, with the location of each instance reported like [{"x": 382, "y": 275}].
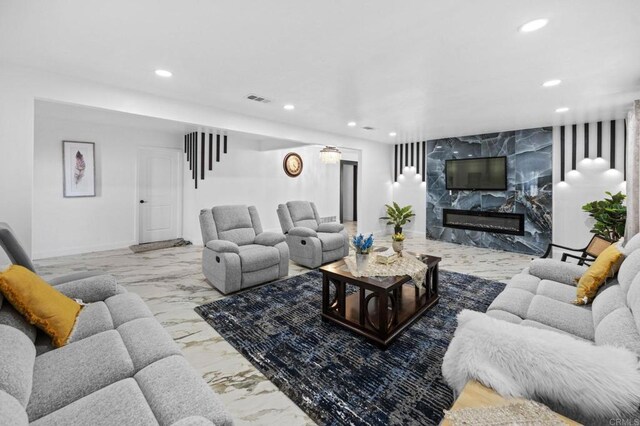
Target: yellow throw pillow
[
  {"x": 604, "y": 266},
  {"x": 40, "y": 303}
]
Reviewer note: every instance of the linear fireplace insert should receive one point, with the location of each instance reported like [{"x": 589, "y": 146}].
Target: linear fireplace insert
[{"x": 497, "y": 222}]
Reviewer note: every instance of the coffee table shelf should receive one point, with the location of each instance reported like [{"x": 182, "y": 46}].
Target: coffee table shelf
[{"x": 377, "y": 301}]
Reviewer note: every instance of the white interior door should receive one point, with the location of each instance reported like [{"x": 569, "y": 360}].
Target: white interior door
[{"x": 159, "y": 192}]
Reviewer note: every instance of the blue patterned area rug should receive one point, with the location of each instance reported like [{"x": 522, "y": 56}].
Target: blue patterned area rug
[{"x": 334, "y": 375}]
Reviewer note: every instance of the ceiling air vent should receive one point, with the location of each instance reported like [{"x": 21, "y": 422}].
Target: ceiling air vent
[
  {"x": 257, "y": 98},
  {"x": 368, "y": 128}
]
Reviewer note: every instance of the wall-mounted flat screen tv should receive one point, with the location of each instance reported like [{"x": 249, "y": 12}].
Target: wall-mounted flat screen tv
[{"x": 487, "y": 173}]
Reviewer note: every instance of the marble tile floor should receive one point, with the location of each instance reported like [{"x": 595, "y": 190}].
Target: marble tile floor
[{"x": 171, "y": 283}]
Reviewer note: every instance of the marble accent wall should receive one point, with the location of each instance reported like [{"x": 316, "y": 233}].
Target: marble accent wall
[{"x": 529, "y": 188}]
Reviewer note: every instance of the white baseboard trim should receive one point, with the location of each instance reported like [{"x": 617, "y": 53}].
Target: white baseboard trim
[{"x": 37, "y": 255}]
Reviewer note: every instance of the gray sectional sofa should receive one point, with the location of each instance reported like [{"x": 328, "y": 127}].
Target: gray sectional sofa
[
  {"x": 541, "y": 297},
  {"x": 120, "y": 366},
  {"x": 311, "y": 243}
]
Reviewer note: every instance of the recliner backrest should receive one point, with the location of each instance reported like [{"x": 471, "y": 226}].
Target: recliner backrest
[
  {"x": 304, "y": 214},
  {"x": 9, "y": 243},
  {"x": 236, "y": 223}
]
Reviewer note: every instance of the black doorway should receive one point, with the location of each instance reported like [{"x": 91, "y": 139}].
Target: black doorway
[{"x": 348, "y": 191}]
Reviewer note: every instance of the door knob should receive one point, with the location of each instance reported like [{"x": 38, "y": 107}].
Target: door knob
[{"x": 142, "y": 201}]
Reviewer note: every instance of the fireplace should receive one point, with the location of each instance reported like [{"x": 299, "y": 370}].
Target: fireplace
[{"x": 496, "y": 222}]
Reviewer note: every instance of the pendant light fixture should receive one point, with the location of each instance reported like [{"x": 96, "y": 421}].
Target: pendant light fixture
[{"x": 330, "y": 155}]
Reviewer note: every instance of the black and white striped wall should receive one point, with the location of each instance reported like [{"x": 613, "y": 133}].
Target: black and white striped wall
[
  {"x": 602, "y": 140},
  {"x": 410, "y": 154}
]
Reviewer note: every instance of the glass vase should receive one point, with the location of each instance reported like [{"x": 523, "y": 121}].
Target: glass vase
[{"x": 362, "y": 261}]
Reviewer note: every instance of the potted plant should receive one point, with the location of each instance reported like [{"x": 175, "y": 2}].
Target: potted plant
[
  {"x": 398, "y": 243},
  {"x": 363, "y": 247},
  {"x": 610, "y": 216},
  {"x": 398, "y": 216}
]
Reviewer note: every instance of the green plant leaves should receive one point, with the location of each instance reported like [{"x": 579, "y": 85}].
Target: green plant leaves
[{"x": 610, "y": 215}]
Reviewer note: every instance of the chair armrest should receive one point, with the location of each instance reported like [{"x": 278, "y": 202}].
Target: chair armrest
[
  {"x": 93, "y": 289},
  {"x": 302, "y": 232},
  {"x": 331, "y": 227},
  {"x": 556, "y": 270},
  {"x": 223, "y": 246},
  {"x": 269, "y": 238},
  {"x": 551, "y": 245}
]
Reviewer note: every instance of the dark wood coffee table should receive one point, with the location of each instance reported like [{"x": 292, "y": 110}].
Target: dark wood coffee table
[{"x": 397, "y": 303}]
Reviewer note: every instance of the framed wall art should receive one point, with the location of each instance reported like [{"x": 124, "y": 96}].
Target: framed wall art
[{"x": 79, "y": 169}]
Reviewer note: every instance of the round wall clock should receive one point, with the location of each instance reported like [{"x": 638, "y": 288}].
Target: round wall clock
[{"x": 292, "y": 164}]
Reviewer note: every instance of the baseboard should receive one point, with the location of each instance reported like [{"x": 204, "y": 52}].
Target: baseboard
[{"x": 37, "y": 255}]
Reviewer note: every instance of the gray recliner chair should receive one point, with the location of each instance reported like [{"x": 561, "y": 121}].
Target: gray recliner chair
[
  {"x": 237, "y": 253},
  {"x": 311, "y": 243}
]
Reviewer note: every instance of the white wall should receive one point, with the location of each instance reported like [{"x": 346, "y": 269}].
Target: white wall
[
  {"x": 79, "y": 225},
  {"x": 589, "y": 182},
  {"x": 410, "y": 190},
  {"x": 252, "y": 174},
  {"x": 20, "y": 87}
]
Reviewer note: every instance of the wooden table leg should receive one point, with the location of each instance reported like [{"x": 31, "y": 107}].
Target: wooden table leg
[
  {"x": 363, "y": 306},
  {"x": 325, "y": 294},
  {"x": 383, "y": 313},
  {"x": 341, "y": 290}
]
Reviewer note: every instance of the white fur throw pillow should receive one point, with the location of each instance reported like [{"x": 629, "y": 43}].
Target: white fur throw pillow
[{"x": 572, "y": 376}]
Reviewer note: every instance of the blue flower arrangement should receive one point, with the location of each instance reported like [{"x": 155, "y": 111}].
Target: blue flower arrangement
[{"x": 361, "y": 244}]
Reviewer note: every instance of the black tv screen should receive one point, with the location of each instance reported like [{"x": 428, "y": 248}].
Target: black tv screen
[{"x": 489, "y": 174}]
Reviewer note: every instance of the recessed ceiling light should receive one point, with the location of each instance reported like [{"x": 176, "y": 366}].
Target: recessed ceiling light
[
  {"x": 470, "y": 155},
  {"x": 352, "y": 124},
  {"x": 164, "y": 73},
  {"x": 455, "y": 152},
  {"x": 392, "y": 134},
  {"x": 289, "y": 107},
  {"x": 534, "y": 25},
  {"x": 563, "y": 109},
  {"x": 551, "y": 83}
]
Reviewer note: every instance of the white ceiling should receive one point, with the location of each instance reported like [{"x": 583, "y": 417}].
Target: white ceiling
[{"x": 421, "y": 68}]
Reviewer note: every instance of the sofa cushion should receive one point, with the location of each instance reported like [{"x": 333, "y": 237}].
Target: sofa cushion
[
  {"x": 121, "y": 403},
  {"x": 633, "y": 299},
  {"x": 17, "y": 355},
  {"x": 514, "y": 301},
  {"x": 632, "y": 245},
  {"x": 146, "y": 342},
  {"x": 331, "y": 241},
  {"x": 40, "y": 303},
  {"x": 607, "y": 301},
  {"x": 628, "y": 270},
  {"x": 557, "y": 291},
  {"x": 127, "y": 307},
  {"x": 504, "y": 315},
  {"x": 234, "y": 224},
  {"x": 174, "y": 391},
  {"x": 619, "y": 329},
  {"x": 254, "y": 257},
  {"x": 92, "y": 289},
  {"x": 536, "y": 324},
  {"x": 302, "y": 214},
  {"x": 11, "y": 412},
  {"x": 69, "y": 373},
  {"x": 524, "y": 282},
  {"x": 555, "y": 270},
  {"x": 573, "y": 319},
  {"x": 94, "y": 318},
  {"x": 9, "y": 316}
]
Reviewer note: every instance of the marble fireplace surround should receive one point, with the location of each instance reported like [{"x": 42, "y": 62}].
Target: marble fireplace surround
[{"x": 529, "y": 189}]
